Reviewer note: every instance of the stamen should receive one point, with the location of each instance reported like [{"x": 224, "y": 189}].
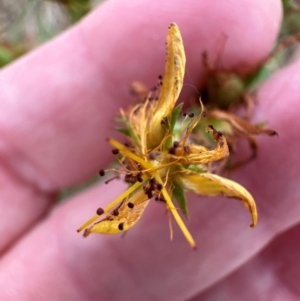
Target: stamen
[
  {"x": 177, "y": 217},
  {"x": 127, "y": 153}
]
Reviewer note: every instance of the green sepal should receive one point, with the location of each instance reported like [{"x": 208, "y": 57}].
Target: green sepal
[
  {"x": 173, "y": 119},
  {"x": 174, "y": 116},
  {"x": 197, "y": 168},
  {"x": 179, "y": 195}
]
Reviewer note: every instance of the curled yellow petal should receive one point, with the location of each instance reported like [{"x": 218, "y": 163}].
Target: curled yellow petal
[
  {"x": 123, "y": 217},
  {"x": 171, "y": 84},
  {"x": 208, "y": 184},
  {"x": 197, "y": 154}
]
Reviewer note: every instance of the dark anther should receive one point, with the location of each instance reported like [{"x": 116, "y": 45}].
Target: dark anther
[
  {"x": 127, "y": 144},
  {"x": 121, "y": 226},
  {"x": 101, "y": 172},
  {"x": 151, "y": 98},
  {"x": 274, "y": 133},
  {"x": 160, "y": 77},
  {"x": 115, "y": 212},
  {"x": 159, "y": 186},
  {"x": 149, "y": 194},
  {"x": 153, "y": 186},
  {"x": 130, "y": 178},
  {"x": 172, "y": 150},
  {"x": 162, "y": 199},
  {"x": 185, "y": 114},
  {"x": 154, "y": 88},
  {"x": 204, "y": 114},
  {"x": 152, "y": 156},
  {"x": 191, "y": 115},
  {"x": 100, "y": 211},
  {"x": 152, "y": 181},
  {"x": 130, "y": 205},
  {"x": 115, "y": 151},
  {"x": 139, "y": 177},
  {"x": 176, "y": 144}
]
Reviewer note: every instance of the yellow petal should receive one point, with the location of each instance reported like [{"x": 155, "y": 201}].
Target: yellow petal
[
  {"x": 122, "y": 218},
  {"x": 171, "y": 84},
  {"x": 208, "y": 184},
  {"x": 203, "y": 157},
  {"x": 195, "y": 154}
]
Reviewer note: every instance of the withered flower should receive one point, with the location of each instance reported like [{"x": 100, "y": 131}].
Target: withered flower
[{"x": 160, "y": 161}]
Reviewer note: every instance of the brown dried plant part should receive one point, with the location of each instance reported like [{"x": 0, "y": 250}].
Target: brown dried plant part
[
  {"x": 139, "y": 91},
  {"x": 241, "y": 128}
]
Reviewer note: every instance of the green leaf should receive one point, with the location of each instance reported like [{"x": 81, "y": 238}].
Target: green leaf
[
  {"x": 173, "y": 119},
  {"x": 179, "y": 195},
  {"x": 197, "y": 168},
  {"x": 124, "y": 131},
  {"x": 174, "y": 116}
]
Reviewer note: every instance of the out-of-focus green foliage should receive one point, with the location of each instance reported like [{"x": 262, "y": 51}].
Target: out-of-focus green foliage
[{"x": 25, "y": 24}]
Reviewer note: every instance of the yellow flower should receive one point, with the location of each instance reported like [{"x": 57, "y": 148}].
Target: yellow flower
[{"x": 160, "y": 161}]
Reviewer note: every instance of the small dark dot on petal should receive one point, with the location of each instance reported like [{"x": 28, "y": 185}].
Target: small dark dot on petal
[{"x": 130, "y": 205}]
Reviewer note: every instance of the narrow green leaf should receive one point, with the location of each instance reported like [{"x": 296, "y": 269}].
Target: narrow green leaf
[
  {"x": 124, "y": 131},
  {"x": 173, "y": 119},
  {"x": 179, "y": 195},
  {"x": 174, "y": 116}
]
